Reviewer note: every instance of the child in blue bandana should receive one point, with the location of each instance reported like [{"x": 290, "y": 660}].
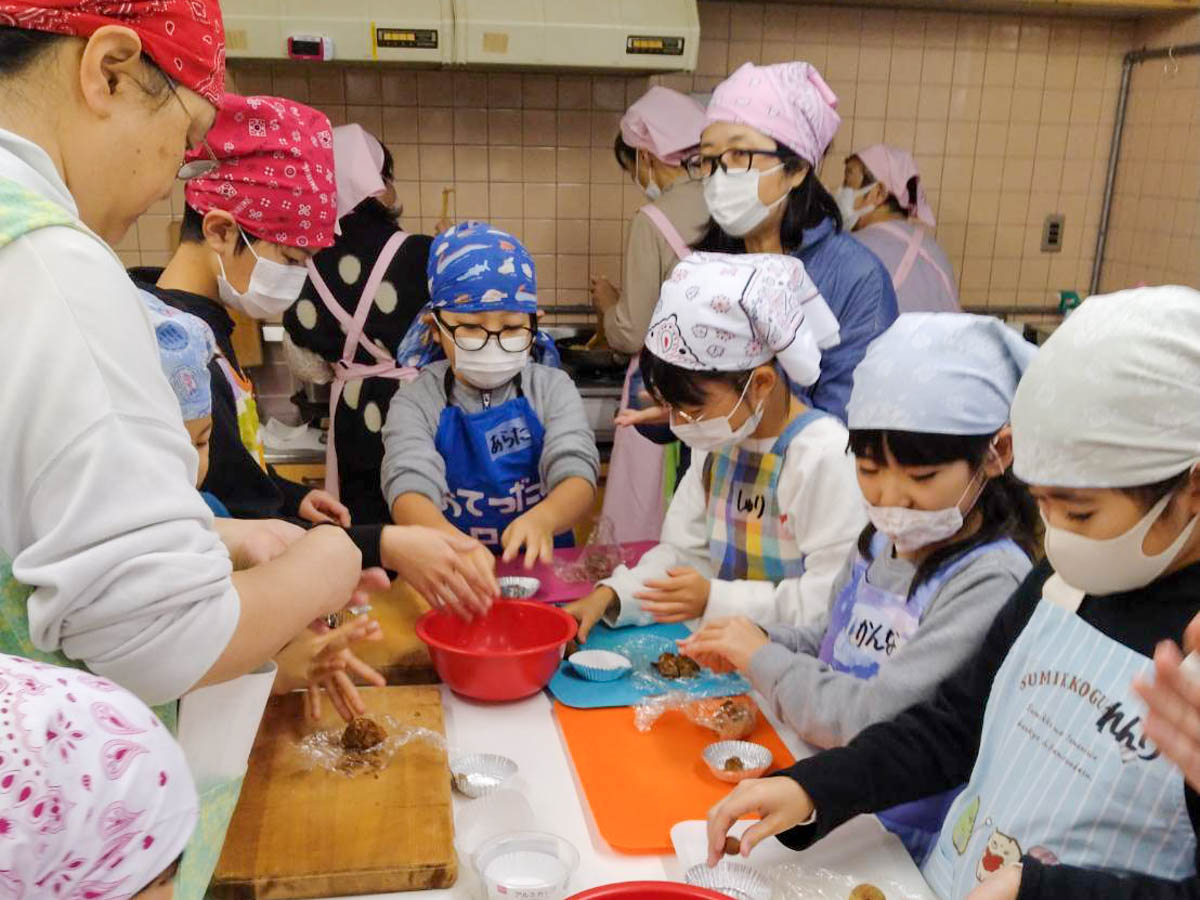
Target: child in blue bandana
[{"x": 487, "y": 441}]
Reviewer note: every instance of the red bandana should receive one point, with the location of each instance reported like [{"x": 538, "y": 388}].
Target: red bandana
[
  {"x": 276, "y": 175},
  {"x": 184, "y": 37}
]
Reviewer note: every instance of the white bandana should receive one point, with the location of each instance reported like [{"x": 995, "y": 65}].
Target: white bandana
[
  {"x": 731, "y": 313},
  {"x": 1112, "y": 399}
]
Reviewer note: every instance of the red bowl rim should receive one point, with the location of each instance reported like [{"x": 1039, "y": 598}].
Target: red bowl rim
[
  {"x": 423, "y": 632},
  {"x": 641, "y": 888}
]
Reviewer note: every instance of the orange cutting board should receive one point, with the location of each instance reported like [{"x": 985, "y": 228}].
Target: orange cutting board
[
  {"x": 299, "y": 832},
  {"x": 638, "y": 784}
]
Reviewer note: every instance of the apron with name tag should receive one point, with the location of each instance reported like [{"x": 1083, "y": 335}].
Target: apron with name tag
[
  {"x": 867, "y": 626},
  {"x": 22, "y": 211},
  {"x": 1065, "y": 773},
  {"x": 749, "y": 536}
]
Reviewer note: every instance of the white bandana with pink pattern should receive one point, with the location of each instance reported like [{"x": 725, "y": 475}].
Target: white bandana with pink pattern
[{"x": 96, "y": 799}]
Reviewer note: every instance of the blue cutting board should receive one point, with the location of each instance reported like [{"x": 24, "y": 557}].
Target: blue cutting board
[{"x": 640, "y": 644}]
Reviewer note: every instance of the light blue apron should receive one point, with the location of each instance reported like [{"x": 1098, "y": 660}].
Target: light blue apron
[
  {"x": 22, "y": 211},
  {"x": 867, "y": 625},
  {"x": 1064, "y": 772}
]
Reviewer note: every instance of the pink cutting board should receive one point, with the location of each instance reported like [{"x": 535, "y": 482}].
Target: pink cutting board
[{"x": 554, "y": 589}]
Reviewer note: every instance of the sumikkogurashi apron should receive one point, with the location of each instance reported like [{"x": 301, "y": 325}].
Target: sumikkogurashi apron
[
  {"x": 867, "y": 626},
  {"x": 749, "y": 536},
  {"x": 635, "y": 499},
  {"x": 1064, "y": 772},
  {"x": 22, "y": 211},
  {"x": 347, "y": 369},
  {"x": 493, "y": 465}
]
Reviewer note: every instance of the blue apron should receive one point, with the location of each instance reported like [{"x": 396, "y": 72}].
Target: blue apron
[
  {"x": 493, "y": 465},
  {"x": 867, "y": 625},
  {"x": 1064, "y": 772}
]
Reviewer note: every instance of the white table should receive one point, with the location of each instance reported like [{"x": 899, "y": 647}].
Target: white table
[{"x": 544, "y": 796}]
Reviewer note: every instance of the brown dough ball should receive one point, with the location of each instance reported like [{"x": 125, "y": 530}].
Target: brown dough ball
[
  {"x": 363, "y": 733},
  {"x": 867, "y": 892},
  {"x": 734, "y": 764},
  {"x": 688, "y": 667},
  {"x": 733, "y": 846}
]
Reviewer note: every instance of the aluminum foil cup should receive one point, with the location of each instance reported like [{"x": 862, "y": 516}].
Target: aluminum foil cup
[
  {"x": 600, "y": 665},
  {"x": 479, "y": 774},
  {"x": 756, "y": 759},
  {"x": 516, "y": 587},
  {"x": 733, "y": 879}
]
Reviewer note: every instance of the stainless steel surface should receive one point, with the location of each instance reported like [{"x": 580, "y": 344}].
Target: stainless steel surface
[{"x": 1132, "y": 58}]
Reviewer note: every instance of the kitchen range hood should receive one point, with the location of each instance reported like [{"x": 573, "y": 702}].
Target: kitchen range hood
[{"x": 637, "y": 35}]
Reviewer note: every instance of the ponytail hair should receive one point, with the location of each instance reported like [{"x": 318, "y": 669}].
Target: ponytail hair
[{"x": 1005, "y": 506}]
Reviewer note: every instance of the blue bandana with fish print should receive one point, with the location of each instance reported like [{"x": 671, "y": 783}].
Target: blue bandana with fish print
[{"x": 475, "y": 268}]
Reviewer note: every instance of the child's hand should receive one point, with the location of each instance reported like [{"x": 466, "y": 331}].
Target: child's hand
[
  {"x": 320, "y": 507},
  {"x": 1173, "y": 723},
  {"x": 322, "y": 657},
  {"x": 779, "y": 802},
  {"x": 651, "y": 415},
  {"x": 450, "y": 570},
  {"x": 681, "y": 596},
  {"x": 535, "y": 532},
  {"x": 736, "y": 639},
  {"x": 591, "y": 609},
  {"x": 1003, "y": 885}
]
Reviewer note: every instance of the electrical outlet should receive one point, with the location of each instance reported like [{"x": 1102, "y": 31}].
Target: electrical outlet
[{"x": 1052, "y": 233}]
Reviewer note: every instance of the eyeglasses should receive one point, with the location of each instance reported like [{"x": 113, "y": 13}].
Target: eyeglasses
[
  {"x": 733, "y": 160},
  {"x": 197, "y": 168},
  {"x": 513, "y": 339}
]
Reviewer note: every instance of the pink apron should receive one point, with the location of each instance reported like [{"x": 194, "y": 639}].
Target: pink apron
[
  {"x": 634, "y": 500},
  {"x": 914, "y": 250},
  {"x": 346, "y": 369}
]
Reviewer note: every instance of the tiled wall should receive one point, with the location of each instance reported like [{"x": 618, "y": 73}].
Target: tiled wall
[
  {"x": 1154, "y": 235},
  {"x": 1008, "y": 116}
]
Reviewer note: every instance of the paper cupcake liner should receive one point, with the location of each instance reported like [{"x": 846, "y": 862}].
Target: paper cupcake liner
[
  {"x": 600, "y": 665},
  {"x": 732, "y": 879},
  {"x": 756, "y": 759}
]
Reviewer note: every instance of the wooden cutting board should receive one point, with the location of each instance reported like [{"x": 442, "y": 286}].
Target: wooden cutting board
[
  {"x": 400, "y": 657},
  {"x": 311, "y": 833}
]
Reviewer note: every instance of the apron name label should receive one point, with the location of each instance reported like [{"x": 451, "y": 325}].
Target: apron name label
[
  {"x": 508, "y": 437},
  {"x": 875, "y": 636},
  {"x": 751, "y": 504}
]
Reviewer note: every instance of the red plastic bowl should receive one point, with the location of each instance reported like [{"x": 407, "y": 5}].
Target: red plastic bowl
[
  {"x": 510, "y": 653},
  {"x": 648, "y": 890}
]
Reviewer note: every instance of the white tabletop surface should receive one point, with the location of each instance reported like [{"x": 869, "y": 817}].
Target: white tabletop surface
[{"x": 545, "y": 796}]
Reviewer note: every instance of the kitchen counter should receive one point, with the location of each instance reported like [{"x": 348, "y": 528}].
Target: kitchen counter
[{"x": 545, "y": 796}]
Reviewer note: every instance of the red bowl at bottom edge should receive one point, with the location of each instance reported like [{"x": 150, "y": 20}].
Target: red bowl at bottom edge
[{"x": 647, "y": 890}]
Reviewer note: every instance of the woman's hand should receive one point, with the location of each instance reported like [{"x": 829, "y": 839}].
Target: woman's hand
[
  {"x": 591, "y": 609},
  {"x": 252, "y": 542},
  {"x": 1173, "y": 722},
  {"x": 736, "y": 639},
  {"x": 321, "y": 507},
  {"x": 681, "y": 596},
  {"x": 1002, "y": 885},
  {"x": 532, "y": 530},
  {"x": 320, "y": 658},
  {"x": 651, "y": 415},
  {"x": 604, "y": 295},
  {"x": 779, "y": 802},
  {"x": 450, "y": 570}
]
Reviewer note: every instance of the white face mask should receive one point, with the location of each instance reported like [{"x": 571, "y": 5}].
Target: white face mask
[
  {"x": 273, "y": 287},
  {"x": 846, "y": 197},
  {"x": 732, "y": 200},
  {"x": 714, "y": 434},
  {"x": 912, "y": 529},
  {"x": 1100, "y": 567},
  {"x": 650, "y": 188},
  {"x": 490, "y": 366}
]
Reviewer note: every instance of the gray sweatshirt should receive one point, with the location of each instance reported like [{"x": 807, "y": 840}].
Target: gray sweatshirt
[
  {"x": 412, "y": 464},
  {"x": 828, "y": 708}
]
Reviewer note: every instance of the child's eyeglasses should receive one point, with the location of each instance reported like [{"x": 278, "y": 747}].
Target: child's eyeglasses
[{"x": 514, "y": 339}]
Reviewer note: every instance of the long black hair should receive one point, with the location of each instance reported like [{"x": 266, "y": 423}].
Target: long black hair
[
  {"x": 1005, "y": 507},
  {"x": 807, "y": 206}
]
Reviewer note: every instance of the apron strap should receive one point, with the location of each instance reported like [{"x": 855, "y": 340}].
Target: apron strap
[
  {"x": 667, "y": 229},
  {"x": 1062, "y": 594},
  {"x": 793, "y": 428},
  {"x": 912, "y": 251},
  {"x": 346, "y": 368}
]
